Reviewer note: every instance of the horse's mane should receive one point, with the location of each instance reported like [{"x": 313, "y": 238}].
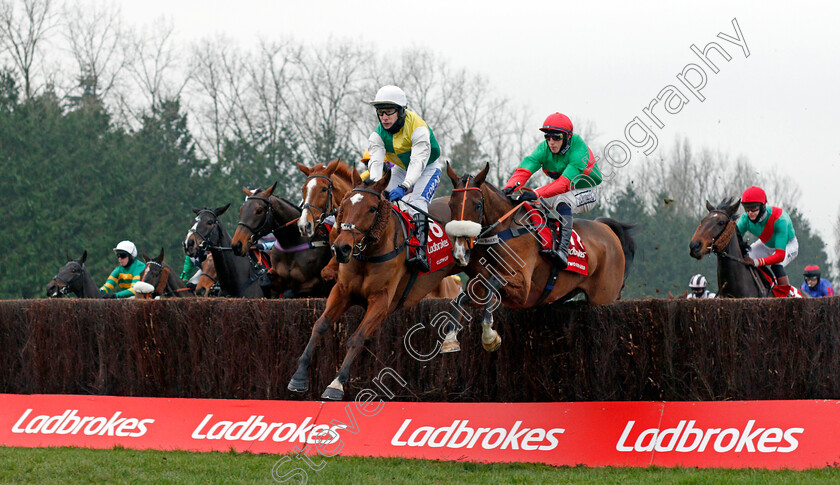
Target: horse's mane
[{"x": 723, "y": 206}]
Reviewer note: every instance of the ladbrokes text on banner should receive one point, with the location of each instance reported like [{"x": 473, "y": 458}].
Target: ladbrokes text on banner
[{"x": 768, "y": 434}]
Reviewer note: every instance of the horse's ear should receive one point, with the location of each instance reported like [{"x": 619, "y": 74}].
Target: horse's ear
[
  {"x": 247, "y": 191},
  {"x": 270, "y": 190},
  {"x": 145, "y": 257},
  {"x": 357, "y": 178},
  {"x": 709, "y": 207},
  {"x": 303, "y": 168},
  {"x": 479, "y": 179},
  {"x": 382, "y": 183},
  {"x": 83, "y": 258},
  {"x": 452, "y": 175},
  {"x": 221, "y": 210},
  {"x": 331, "y": 167},
  {"x": 159, "y": 259},
  {"x": 196, "y": 211},
  {"x": 734, "y": 207}
]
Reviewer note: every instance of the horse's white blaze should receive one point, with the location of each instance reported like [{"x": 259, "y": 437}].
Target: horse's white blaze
[
  {"x": 191, "y": 231},
  {"x": 304, "y": 215},
  {"x": 459, "y": 252},
  {"x": 356, "y": 198}
]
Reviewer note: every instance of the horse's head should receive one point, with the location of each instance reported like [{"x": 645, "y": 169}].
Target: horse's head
[
  {"x": 717, "y": 222},
  {"x": 69, "y": 278},
  {"x": 205, "y": 231},
  {"x": 154, "y": 277},
  {"x": 318, "y": 198},
  {"x": 207, "y": 280},
  {"x": 362, "y": 218},
  {"x": 467, "y": 205},
  {"x": 255, "y": 219}
]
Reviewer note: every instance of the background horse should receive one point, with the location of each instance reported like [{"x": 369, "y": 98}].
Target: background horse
[
  {"x": 718, "y": 233},
  {"x": 296, "y": 260},
  {"x": 74, "y": 278},
  {"x": 158, "y": 279},
  {"x": 208, "y": 284},
  {"x": 514, "y": 267},
  {"x": 371, "y": 250},
  {"x": 237, "y": 277}
]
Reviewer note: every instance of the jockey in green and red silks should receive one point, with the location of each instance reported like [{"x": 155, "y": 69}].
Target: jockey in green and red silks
[
  {"x": 566, "y": 158},
  {"x": 777, "y": 245}
]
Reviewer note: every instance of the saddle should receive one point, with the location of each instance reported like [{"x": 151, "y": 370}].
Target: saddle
[
  {"x": 767, "y": 278},
  {"x": 438, "y": 248},
  {"x": 548, "y": 234}
]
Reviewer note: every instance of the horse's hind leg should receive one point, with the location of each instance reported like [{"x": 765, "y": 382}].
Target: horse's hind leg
[
  {"x": 377, "y": 310},
  {"x": 337, "y": 304}
]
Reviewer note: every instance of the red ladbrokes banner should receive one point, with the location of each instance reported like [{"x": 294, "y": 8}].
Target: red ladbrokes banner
[{"x": 767, "y": 434}]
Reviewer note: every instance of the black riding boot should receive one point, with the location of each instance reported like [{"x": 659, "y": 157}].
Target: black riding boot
[
  {"x": 420, "y": 260},
  {"x": 559, "y": 252}
]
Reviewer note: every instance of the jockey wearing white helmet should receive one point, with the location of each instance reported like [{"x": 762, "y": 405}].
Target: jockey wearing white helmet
[
  {"x": 697, "y": 284},
  {"x": 404, "y": 139}
]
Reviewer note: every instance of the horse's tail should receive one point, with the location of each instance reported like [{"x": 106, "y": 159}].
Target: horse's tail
[{"x": 625, "y": 232}]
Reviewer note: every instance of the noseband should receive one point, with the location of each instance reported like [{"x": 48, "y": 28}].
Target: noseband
[
  {"x": 329, "y": 207},
  {"x": 64, "y": 290},
  {"x": 362, "y": 244},
  {"x": 257, "y": 233}
]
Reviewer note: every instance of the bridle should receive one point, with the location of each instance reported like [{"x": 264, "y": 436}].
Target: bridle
[
  {"x": 160, "y": 288},
  {"x": 64, "y": 290},
  {"x": 467, "y": 188},
  {"x": 329, "y": 208},
  {"x": 721, "y": 241},
  {"x": 359, "y": 247},
  {"x": 205, "y": 238},
  {"x": 259, "y": 232}
]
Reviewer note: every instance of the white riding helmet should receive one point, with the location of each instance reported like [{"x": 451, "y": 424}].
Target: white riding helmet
[
  {"x": 697, "y": 281},
  {"x": 389, "y": 95},
  {"x": 128, "y": 247}
]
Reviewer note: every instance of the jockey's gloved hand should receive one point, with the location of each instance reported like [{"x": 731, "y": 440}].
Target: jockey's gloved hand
[
  {"x": 508, "y": 190},
  {"x": 527, "y": 195},
  {"x": 749, "y": 261},
  {"x": 109, "y": 295},
  {"x": 396, "y": 194}
]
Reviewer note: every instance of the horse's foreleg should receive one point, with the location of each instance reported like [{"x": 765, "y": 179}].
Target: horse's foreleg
[
  {"x": 490, "y": 339},
  {"x": 376, "y": 312},
  {"x": 337, "y": 304}
]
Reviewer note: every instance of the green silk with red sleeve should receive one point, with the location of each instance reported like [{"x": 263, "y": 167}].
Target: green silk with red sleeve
[
  {"x": 775, "y": 231},
  {"x": 574, "y": 169}
]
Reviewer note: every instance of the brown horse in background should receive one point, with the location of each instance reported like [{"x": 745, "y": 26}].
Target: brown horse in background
[
  {"x": 514, "y": 268},
  {"x": 296, "y": 261},
  {"x": 158, "y": 279},
  {"x": 207, "y": 284},
  {"x": 371, "y": 249}
]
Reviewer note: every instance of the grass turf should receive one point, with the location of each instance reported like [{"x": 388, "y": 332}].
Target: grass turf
[{"x": 77, "y": 465}]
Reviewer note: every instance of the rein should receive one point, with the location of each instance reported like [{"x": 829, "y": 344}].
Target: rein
[
  {"x": 722, "y": 240},
  {"x": 362, "y": 245}
]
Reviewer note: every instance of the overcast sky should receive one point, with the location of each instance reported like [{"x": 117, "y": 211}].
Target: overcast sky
[{"x": 603, "y": 62}]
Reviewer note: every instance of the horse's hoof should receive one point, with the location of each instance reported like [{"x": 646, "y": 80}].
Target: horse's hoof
[
  {"x": 333, "y": 394},
  {"x": 450, "y": 346},
  {"x": 298, "y": 385},
  {"x": 494, "y": 345}
]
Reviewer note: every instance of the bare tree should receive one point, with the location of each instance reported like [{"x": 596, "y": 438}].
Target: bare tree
[
  {"x": 93, "y": 34},
  {"x": 21, "y": 34},
  {"x": 153, "y": 64}
]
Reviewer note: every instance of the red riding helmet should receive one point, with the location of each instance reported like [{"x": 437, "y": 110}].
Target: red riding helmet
[
  {"x": 754, "y": 195},
  {"x": 559, "y": 122}
]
